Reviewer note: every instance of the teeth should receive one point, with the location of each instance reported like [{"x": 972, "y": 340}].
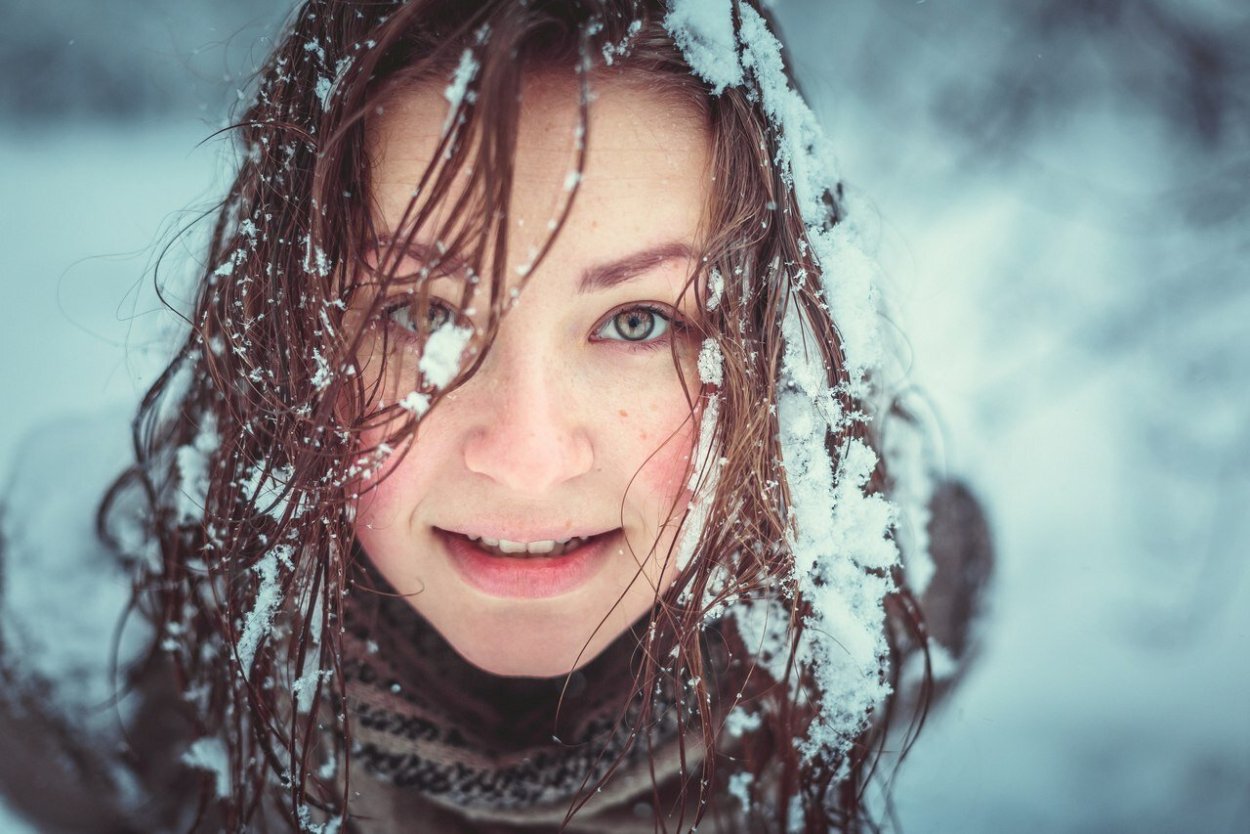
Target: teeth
[{"x": 547, "y": 547}]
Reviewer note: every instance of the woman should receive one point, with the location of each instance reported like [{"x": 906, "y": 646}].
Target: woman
[{"x": 519, "y": 470}]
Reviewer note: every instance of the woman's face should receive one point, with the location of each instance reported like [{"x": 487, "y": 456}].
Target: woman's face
[{"x": 531, "y": 521}]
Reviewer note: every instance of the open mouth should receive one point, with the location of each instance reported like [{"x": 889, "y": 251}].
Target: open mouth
[
  {"x": 529, "y": 569},
  {"x": 546, "y": 547}
]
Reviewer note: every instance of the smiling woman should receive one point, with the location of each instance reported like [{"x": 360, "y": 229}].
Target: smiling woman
[
  {"x": 519, "y": 470},
  {"x": 575, "y": 430}
]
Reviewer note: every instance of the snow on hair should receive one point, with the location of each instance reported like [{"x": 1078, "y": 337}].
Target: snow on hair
[{"x": 840, "y": 534}]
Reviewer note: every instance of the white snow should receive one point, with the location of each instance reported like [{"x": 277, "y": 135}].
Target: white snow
[
  {"x": 715, "y": 289},
  {"x": 226, "y": 268},
  {"x": 711, "y": 363},
  {"x": 839, "y": 533},
  {"x": 440, "y": 360},
  {"x": 704, "y": 476},
  {"x": 739, "y": 788},
  {"x": 324, "y": 87},
  {"x": 739, "y": 721},
  {"x": 193, "y": 462},
  {"x": 416, "y": 403},
  {"x": 704, "y": 31},
  {"x": 309, "y": 826},
  {"x": 465, "y": 72},
  {"x": 316, "y": 262},
  {"x": 322, "y": 90},
  {"x": 259, "y": 621},
  {"x": 305, "y": 686},
  {"x": 322, "y": 376},
  {"x": 209, "y": 754},
  {"x": 765, "y": 629}
]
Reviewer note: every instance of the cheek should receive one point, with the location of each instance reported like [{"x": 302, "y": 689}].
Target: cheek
[
  {"x": 382, "y": 490},
  {"x": 400, "y": 480},
  {"x": 664, "y": 439},
  {"x": 394, "y": 487},
  {"x": 379, "y": 510}
]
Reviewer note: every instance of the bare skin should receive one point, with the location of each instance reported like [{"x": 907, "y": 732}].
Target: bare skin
[{"x": 576, "y": 423}]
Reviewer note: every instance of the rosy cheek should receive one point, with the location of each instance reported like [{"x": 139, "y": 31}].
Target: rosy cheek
[
  {"x": 375, "y": 485},
  {"x": 391, "y": 486},
  {"x": 666, "y": 473},
  {"x": 395, "y": 486},
  {"x": 376, "y": 508}
]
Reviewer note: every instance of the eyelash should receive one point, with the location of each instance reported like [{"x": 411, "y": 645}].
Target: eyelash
[
  {"x": 389, "y": 311},
  {"x": 674, "y": 322},
  {"x": 675, "y": 325}
]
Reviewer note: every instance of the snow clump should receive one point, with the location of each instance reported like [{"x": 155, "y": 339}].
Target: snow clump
[{"x": 440, "y": 361}]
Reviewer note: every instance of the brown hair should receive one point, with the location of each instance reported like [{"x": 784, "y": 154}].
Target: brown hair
[{"x": 247, "y": 446}]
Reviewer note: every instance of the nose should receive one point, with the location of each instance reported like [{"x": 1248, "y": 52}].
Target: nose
[{"x": 528, "y": 432}]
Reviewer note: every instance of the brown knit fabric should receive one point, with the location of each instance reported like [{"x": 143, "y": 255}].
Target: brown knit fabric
[{"x": 437, "y": 739}]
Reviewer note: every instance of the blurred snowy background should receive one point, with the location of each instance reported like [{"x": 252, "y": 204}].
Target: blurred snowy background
[{"x": 1063, "y": 187}]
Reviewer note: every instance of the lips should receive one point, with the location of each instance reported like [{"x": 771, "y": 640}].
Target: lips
[{"x": 532, "y": 569}]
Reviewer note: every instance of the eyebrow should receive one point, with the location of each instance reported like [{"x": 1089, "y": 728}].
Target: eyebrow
[
  {"x": 608, "y": 275},
  {"x": 597, "y": 278},
  {"x": 426, "y": 254}
]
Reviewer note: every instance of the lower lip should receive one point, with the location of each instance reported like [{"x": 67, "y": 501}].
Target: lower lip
[{"x": 526, "y": 577}]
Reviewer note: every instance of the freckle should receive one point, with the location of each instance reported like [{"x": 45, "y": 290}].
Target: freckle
[{"x": 623, "y": 413}]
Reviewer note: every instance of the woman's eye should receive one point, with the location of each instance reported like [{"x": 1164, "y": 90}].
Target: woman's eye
[
  {"x": 635, "y": 324},
  {"x": 404, "y": 315}
]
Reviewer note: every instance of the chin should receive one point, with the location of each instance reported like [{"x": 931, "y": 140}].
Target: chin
[
  {"x": 526, "y": 639},
  {"x": 530, "y": 661},
  {"x": 518, "y": 647}
]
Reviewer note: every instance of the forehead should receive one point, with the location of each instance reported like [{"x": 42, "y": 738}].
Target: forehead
[{"x": 647, "y": 155}]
